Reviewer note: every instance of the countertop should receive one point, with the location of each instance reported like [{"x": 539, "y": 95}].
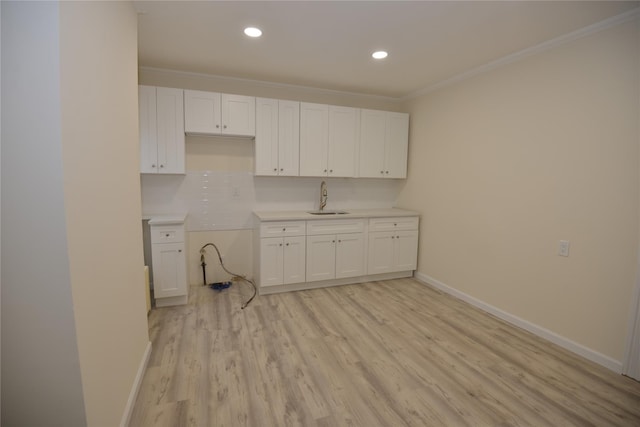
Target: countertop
[
  {"x": 352, "y": 213},
  {"x": 167, "y": 219}
]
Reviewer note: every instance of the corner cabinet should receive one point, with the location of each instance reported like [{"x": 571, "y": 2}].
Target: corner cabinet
[
  {"x": 212, "y": 113},
  {"x": 169, "y": 260},
  {"x": 384, "y": 141},
  {"x": 277, "y": 137},
  {"x": 328, "y": 140},
  {"x": 161, "y": 121},
  {"x": 393, "y": 244}
]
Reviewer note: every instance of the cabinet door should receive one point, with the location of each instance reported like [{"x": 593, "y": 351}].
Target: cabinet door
[
  {"x": 202, "y": 112},
  {"x": 294, "y": 260},
  {"x": 372, "y": 143},
  {"x": 397, "y": 144},
  {"x": 170, "y": 126},
  {"x": 344, "y": 125},
  {"x": 349, "y": 255},
  {"x": 148, "y": 130},
  {"x": 314, "y": 139},
  {"x": 238, "y": 115},
  {"x": 405, "y": 250},
  {"x": 321, "y": 256},
  {"x": 271, "y": 261},
  {"x": 266, "y": 145},
  {"x": 288, "y": 138},
  {"x": 169, "y": 270},
  {"x": 381, "y": 252}
]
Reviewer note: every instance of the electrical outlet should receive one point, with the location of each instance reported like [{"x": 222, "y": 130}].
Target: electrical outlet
[{"x": 563, "y": 248}]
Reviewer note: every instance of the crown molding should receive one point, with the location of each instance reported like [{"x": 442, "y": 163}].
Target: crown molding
[
  {"x": 267, "y": 84},
  {"x": 533, "y": 50}
]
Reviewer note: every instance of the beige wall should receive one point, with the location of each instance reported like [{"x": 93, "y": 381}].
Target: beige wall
[
  {"x": 98, "y": 42},
  {"x": 504, "y": 165}
]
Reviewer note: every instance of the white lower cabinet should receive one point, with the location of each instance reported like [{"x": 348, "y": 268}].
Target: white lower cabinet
[
  {"x": 335, "y": 256},
  {"x": 282, "y": 257},
  {"x": 395, "y": 250},
  {"x": 282, "y": 260},
  {"x": 169, "y": 259},
  {"x": 169, "y": 270},
  {"x": 333, "y": 251}
]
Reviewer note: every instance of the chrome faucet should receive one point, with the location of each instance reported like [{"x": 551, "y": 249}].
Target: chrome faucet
[{"x": 323, "y": 195}]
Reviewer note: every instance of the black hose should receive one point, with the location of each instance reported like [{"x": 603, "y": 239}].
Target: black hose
[{"x": 202, "y": 252}]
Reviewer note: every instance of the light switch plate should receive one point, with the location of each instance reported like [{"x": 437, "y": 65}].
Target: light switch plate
[{"x": 563, "y": 248}]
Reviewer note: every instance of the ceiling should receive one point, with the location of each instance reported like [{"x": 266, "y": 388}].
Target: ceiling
[{"x": 328, "y": 44}]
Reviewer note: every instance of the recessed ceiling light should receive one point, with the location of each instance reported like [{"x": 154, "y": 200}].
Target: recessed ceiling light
[
  {"x": 253, "y": 32},
  {"x": 381, "y": 54}
]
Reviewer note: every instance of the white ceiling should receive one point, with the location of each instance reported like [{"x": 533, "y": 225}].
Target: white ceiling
[{"x": 328, "y": 44}]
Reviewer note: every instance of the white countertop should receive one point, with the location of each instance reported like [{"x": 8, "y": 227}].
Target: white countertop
[
  {"x": 167, "y": 219},
  {"x": 352, "y": 213}
]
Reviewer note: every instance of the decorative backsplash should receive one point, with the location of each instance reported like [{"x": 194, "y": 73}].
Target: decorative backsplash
[{"x": 222, "y": 200}]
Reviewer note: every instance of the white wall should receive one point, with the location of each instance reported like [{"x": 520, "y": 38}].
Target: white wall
[
  {"x": 41, "y": 382},
  {"x": 505, "y": 164},
  {"x": 73, "y": 306}
]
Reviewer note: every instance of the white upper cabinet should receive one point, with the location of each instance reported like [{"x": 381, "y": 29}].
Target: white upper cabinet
[
  {"x": 344, "y": 129},
  {"x": 277, "y": 137},
  {"x": 328, "y": 140},
  {"x": 373, "y": 129},
  {"x": 202, "y": 114},
  {"x": 161, "y": 119},
  {"x": 384, "y": 141},
  {"x": 289, "y": 138},
  {"x": 314, "y": 139},
  {"x": 211, "y": 113},
  {"x": 238, "y": 115}
]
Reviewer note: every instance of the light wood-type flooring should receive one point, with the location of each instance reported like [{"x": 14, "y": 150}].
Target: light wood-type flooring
[{"x": 393, "y": 353}]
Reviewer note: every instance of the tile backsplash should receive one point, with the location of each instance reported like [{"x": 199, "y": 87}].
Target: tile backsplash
[{"x": 217, "y": 200}]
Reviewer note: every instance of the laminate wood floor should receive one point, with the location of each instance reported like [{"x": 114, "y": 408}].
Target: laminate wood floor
[{"x": 393, "y": 353}]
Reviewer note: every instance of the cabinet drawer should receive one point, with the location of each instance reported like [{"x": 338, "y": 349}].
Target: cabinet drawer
[
  {"x": 167, "y": 234},
  {"x": 281, "y": 229},
  {"x": 393, "y": 223},
  {"x": 335, "y": 226}
]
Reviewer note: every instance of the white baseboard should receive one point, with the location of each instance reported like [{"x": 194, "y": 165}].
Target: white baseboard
[
  {"x": 133, "y": 394},
  {"x": 563, "y": 342}
]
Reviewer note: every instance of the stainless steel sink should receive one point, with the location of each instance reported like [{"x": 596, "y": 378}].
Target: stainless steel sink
[{"x": 327, "y": 212}]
